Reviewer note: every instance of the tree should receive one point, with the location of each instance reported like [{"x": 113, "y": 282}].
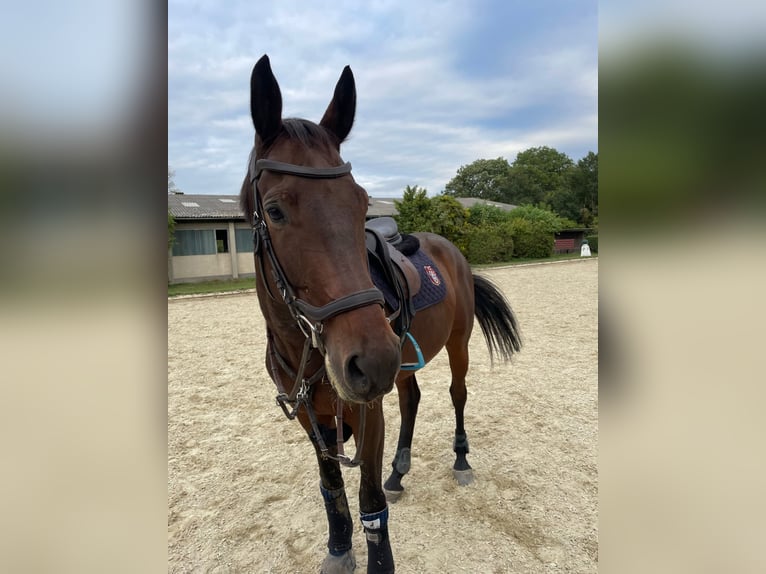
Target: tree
[
  {"x": 484, "y": 178},
  {"x": 448, "y": 217},
  {"x": 414, "y": 210},
  {"x": 442, "y": 214},
  {"x": 585, "y": 189},
  {"x": 171, "y": 184},
  {"x": 171, "y": 230},
  {"x": 564, "y": 202},
  {"x": 172, "y": 189},
  {"x": 483, "y": 214},
  {"x": 487, "y": 235},
  {"x": 544, "y": 218},
  {"x": 540, "y": 174}
]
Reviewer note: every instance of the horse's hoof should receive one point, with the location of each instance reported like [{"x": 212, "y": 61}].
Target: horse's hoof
[
  {"x": 463, "y": 477},
  {"x": 393, "y": 495},
  {"x": 343, "y": 564}
]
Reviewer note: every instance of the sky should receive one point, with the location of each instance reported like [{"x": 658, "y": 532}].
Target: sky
[{"x": 439, "y": 84}]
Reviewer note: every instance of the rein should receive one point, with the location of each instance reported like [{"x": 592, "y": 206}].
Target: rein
[{"x": 309, "y": 318}]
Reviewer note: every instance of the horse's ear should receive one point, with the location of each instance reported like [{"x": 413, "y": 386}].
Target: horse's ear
[
  {"x": 339, "y": 116},
  {"x": 265, "y": 101}
]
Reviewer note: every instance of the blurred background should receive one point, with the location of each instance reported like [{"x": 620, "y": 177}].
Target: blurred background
[
  {"x": 682, "y": 87},
  {"x": 82, "y": 286},
  {"x": 83, "y": 289}
]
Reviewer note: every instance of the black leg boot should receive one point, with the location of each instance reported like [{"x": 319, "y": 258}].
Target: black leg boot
[
  {"x": 340, "y": 559},
  {"x": 339, "y": 520}
]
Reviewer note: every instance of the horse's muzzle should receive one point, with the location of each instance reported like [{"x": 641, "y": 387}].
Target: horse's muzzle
[
  {"x": 364, "y": 368},
  {"x": 369, "y": 377}
]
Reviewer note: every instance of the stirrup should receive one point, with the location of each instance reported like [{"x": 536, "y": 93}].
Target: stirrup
[{"x": 414, "y": 366}]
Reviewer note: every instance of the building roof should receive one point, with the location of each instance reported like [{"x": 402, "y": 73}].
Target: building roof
[
  {"x": 469, "y": 202},
  {"x": 379, "y": 207},
  {"x": 183, "y": 206},
  {"x": 226, "y": 207}
]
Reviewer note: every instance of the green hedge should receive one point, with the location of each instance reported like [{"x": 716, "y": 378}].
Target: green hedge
[
  {"x": 484, "y": 233},
  {"x": 593, "y": 243},
  {"x": 531, "y": 239},
  {"x": 488, "y": 243}
]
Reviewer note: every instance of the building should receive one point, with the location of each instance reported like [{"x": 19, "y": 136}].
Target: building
[
  {"x": 214, "y": 240},
  {"x": 570, "y": 240},
  {"x": 380, "y": 207}
]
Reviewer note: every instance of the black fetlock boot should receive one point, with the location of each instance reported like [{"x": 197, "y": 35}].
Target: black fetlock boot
[
  {"x": 380, "y": 558},
  {"x": 461, "y": 469}
]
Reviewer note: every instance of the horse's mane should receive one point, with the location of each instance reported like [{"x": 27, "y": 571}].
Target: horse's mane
[
  {"x": 303, "y": 131},
  {"x": 308, "y": 133}
]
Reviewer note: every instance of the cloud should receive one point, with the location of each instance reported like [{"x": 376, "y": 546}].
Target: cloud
[{"x": 440, "y": 84}]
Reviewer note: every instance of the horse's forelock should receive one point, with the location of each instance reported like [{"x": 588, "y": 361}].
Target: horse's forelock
[{"x": 306, "y": 132}]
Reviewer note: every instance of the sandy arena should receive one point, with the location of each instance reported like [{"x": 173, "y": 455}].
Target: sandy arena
[{"x": 243, "y": 485}]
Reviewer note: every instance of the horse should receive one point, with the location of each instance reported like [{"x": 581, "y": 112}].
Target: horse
[{"x": 332, "y": 348}]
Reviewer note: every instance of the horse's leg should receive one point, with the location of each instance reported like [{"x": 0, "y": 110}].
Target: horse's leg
[
  {"x": 458, "y": 362},
  {"x": 409, "y": 398},
  {"x": 340, "y": 558},
  {"x": 372, "y": 501}
]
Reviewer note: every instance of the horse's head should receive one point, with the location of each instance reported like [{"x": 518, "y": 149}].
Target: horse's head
[{"x": 311, "y": 216}]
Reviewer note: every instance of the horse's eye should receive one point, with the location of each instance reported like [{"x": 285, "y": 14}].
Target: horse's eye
[{"x": 275, "y": 214}]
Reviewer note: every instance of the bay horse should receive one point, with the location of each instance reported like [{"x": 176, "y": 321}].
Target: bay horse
[{"x": 332, "y": 350}]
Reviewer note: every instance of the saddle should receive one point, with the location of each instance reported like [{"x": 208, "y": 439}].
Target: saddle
[{"x": 383, "y": 250}]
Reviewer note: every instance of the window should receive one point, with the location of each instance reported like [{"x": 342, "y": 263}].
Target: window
[
  {"x": 221, "y": 241},
  {"x": 194, "y": 242},
  {"x": 244, "y": 239}
]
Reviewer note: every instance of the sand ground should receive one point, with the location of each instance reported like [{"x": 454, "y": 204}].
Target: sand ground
[{"x": 243, "y": 491}]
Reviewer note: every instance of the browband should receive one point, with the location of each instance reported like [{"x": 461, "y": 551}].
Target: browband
[{"x": 299, "y": 170}]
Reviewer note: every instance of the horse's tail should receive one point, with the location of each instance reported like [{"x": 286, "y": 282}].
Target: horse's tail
[{"x": 496, "y": 319}]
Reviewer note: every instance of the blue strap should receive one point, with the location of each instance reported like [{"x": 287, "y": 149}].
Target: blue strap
[
  {"x": 414, "y": 366},
  {"x": 374, "y": 520}
]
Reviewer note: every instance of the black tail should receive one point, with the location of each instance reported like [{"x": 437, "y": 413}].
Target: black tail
[{"x": 496, "y": 319}]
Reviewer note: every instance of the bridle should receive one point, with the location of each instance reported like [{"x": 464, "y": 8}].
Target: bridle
[{"x": 309, "y": 318}]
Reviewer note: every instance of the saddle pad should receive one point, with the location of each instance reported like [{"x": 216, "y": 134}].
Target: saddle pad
[{"x": 432, "y": 288}]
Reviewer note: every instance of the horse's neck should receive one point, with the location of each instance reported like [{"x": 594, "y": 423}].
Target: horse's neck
[
  {"x": 288, "y": 338},
  {"x": 284, "y": 331}
]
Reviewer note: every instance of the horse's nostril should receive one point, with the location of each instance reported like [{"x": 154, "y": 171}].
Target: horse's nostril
[
  {"x": 367, "y": 375},
  {"x": 355, "y": 373}
]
